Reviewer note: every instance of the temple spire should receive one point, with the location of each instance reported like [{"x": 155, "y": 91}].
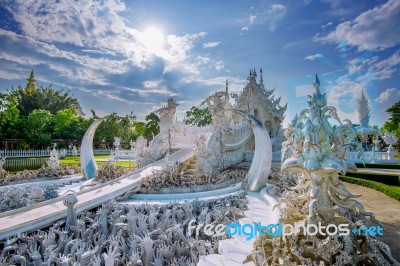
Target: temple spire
[
  {"x": 226, "y": 92},
  {"x": 261, "y": 77},
  {"x": 316, "y": 83},
  {"x": 30, "y": 86},
  {"x": 363, "y": 110}
]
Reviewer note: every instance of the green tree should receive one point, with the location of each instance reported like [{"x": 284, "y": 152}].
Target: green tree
[
  {"x": 64, "y": 118},
  {"x": 38, "y": 128},
  {"x": 198, "y": 116},
  {"x": 139, "y": 129},
  {"x": 393, "y": 124},
  {"x": 116, "y": 126},
  {"x": 108, "y": 129},
  {"x": 68, "y": 126},
  {"x": 127, "y": 130},
  {"x": 9, "y": 116},
  {"x": 43, "y": 98},
  {"x": 152, "y": 126}
]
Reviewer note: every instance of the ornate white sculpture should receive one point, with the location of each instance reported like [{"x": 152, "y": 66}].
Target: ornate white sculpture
[
  {"x": 376, "y": 142},
  {"x": 132, "y": 144},
  {"x": 161, "y": 143},
  {"x": 167, "y": 115},
  {"x": 390, "y": 139},
  {"x": 74, "y": 151},
  {"x": 3, "y": 173},
  {"x": 54, "y": 161},
  {"x": 117, "y": 142},
  {"x": 317, "y": 154}
]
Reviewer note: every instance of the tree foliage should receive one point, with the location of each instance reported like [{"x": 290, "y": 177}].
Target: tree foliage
[
  {"x": 43, "y": 98},
  {"x": 393, "y": 124},
  {"x": 9, "y": 116},
  {"x": 39, "y": 115},
  {"x": 115, "y": 126},
  {"x": 198, "y": 116},
  {"x": 38, "y": 128}
]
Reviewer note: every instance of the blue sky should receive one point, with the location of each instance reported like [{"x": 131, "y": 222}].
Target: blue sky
[{"x": 123, "y": 56}]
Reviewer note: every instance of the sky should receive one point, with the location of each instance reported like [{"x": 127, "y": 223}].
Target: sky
[{"x": 123, "y": 56}]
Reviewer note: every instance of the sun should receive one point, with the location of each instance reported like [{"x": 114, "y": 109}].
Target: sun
[{"x": 153, "y": 39}]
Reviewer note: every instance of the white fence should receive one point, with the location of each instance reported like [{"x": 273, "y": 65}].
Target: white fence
[
  {"x": 42, "y": 153},
  {"x": 29, "y": 153}
]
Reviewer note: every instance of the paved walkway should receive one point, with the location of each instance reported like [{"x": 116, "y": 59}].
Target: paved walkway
[
  {"x": 233, "y": 251},
  {"x": 387, "y": 211},
  {"x": 47, "y": 212}
]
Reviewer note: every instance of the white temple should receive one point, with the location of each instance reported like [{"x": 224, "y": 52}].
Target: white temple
[{"x": 260, "y": 102}]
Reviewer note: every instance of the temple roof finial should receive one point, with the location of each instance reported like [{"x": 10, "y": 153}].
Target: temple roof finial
[{"x": 261, "y": 77}]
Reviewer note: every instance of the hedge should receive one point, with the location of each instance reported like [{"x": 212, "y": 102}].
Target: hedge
[
  {"x": 391, "y": 191},
  {"x": 384, "y": 166},
  {"x": 392, "y": 180}
]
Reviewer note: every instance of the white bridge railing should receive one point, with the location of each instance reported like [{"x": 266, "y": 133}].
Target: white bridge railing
[
  {"x": 276, "y": 156},
  {"x": 372, "y": 157},
  {"x": 124, "y": 154}
]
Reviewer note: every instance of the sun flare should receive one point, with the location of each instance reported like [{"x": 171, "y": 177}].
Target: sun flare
[{"x": 153, "y": 39}]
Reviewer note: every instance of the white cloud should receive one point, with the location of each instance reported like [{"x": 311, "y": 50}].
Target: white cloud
[
  {"x": 374, "y": 67},
  {"x": 344, "y": 95},
  {"x": 387, "y": 67},
  {"x": 97, "y": 28},
  {"x": 211, "y": 44},
  {"x": 327, "y": 25},
  {"x": 375, "y": 29},
  {"x": 391, "y": 95},
  {"x": 81, "y": 68},
  {"x": 219, "y": 65},
  {"x": 203, "y": 60},
  {"x": 274, "y": 15},
  {"x": 268, "y": 15},
  {"x": 252, "y": 19},
  {"x": 178, "y": 53},
  {"x": 313, "y": 57}
]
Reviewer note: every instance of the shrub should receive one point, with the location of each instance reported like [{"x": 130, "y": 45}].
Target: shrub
[
  {"x": 384, "y": 179},
  {"x": 391, "y": 191},
  {"x": 384, "y": 166}
]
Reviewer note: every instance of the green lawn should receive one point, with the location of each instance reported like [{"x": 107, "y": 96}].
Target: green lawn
[{"x": 100, "y": 159}]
